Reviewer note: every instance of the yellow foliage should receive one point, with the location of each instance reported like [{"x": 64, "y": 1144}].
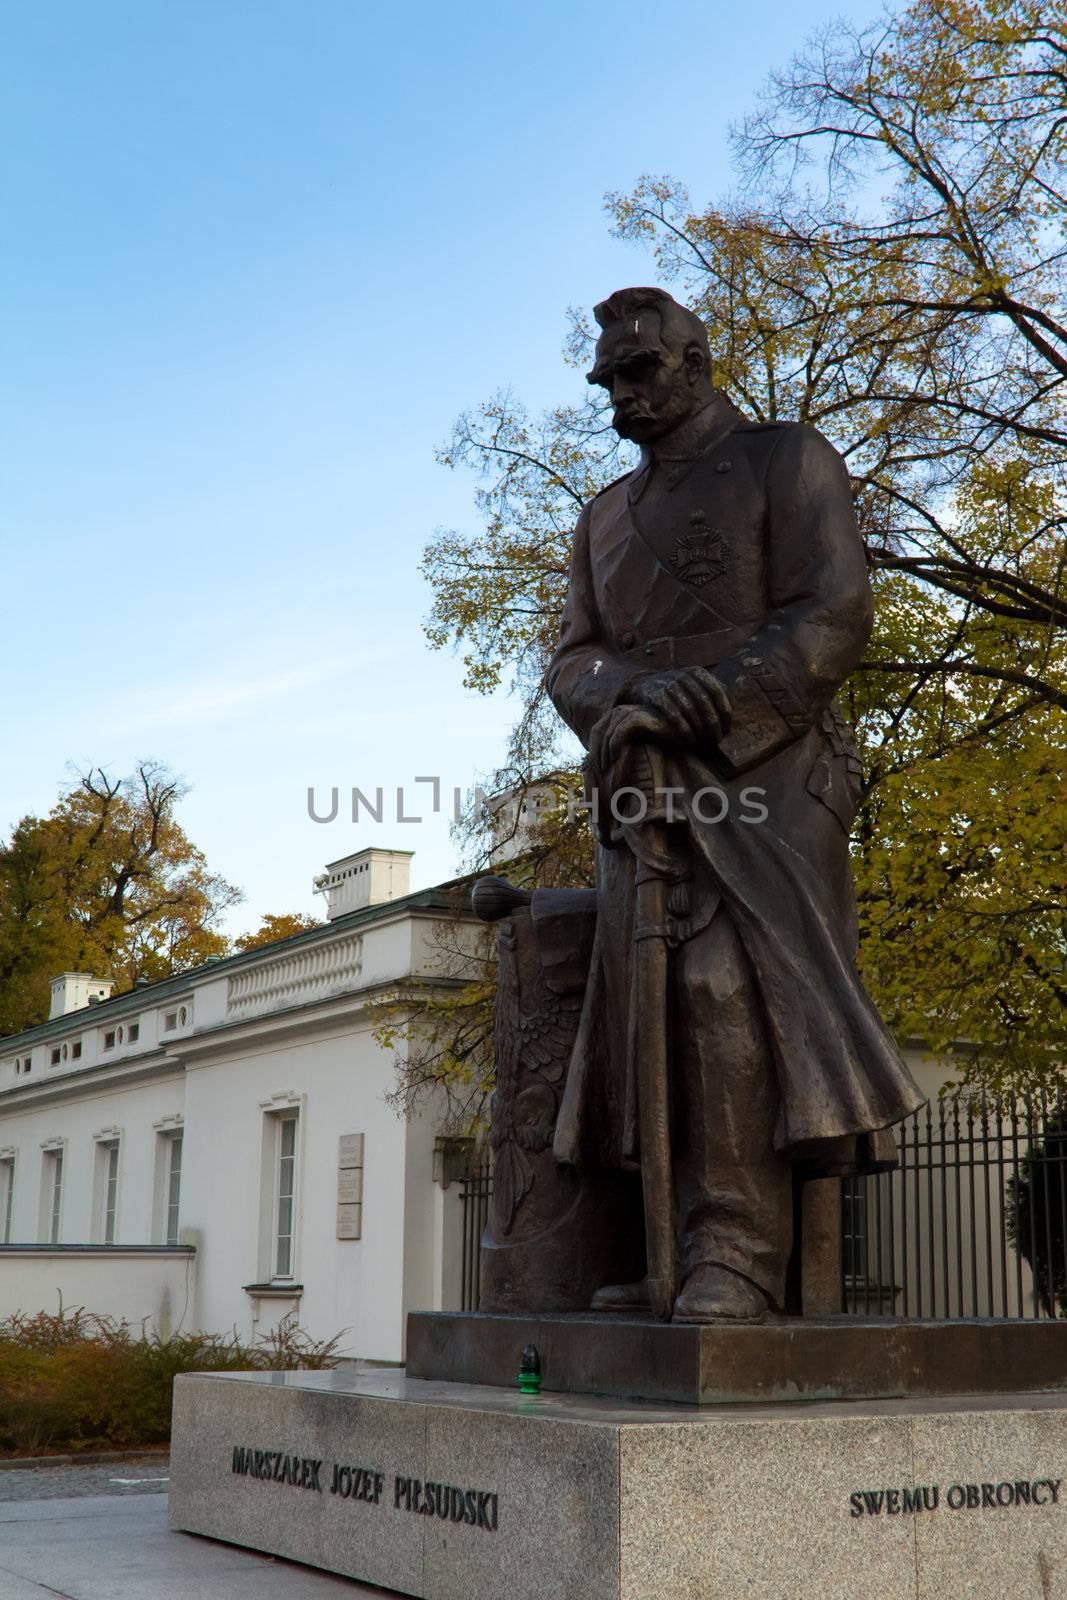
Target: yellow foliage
[
  {"x": 925, "y": 332},
  {"x": 108, "y": 882}
]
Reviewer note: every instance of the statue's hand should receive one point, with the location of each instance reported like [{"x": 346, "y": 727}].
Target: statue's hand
[
  {"x": 621, "y": 725},
  {"x": 690, "y": 699}
]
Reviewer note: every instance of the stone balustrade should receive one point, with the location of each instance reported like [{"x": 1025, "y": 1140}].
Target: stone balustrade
[{"x": 296, "y": 978}]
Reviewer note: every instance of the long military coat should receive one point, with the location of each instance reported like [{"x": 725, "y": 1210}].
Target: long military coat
[{"x": 746, "y": 560}]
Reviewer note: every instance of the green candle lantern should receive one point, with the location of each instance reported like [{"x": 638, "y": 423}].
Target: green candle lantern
[{"x": 530, "y": 1371}]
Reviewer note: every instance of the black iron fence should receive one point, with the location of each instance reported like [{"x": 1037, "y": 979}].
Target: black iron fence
[
  {"x": 475, "y": 1189},
  {"x": 973, "y": 1222}
]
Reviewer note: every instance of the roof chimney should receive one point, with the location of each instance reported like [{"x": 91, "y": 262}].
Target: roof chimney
[
  {"x": 73, "y": 990},
  {"x": 368, "y": 878}
]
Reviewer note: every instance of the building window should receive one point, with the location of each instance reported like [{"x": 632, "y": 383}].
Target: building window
[
  {"x": 277, "y": 1259},
  {"x": 52, "y": 1195},
  {"x": 76, "y": 1050},
  {"x": 57, "y": 1197},
  {"x": 109, "y": 1039},
  {"x": 167, "y": 1183},
  {"x": 22, "y": 1065},
  {"x": 57, "y": 1056},
  {"x": 172, "y": 1190},
  {"x": 133, "y": 1033},
  {"x": 285, "y": 1208},
  {"x": 7, "y": 1197},
  {"x": 106, "y": 1181},
  {"x": 109, "y": 1198},
  {"x": 170, "y": 1020}
]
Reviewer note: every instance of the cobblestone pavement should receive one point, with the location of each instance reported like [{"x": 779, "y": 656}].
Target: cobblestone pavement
[{"x": 147, "y": 1476}]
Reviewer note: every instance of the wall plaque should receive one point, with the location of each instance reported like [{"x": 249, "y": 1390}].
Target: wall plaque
[
  {"x": 350, "y": 1186},
  {"x": 350, "y": 1150}
]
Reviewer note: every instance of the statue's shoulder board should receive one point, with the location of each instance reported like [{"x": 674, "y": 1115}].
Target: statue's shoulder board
[
  {"x": 770, "y": 430},
  {"x": 613, "y": 484},
  {"x": 759, "y": 440}
]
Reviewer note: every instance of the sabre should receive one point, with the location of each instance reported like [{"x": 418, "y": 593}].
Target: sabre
[{"x": 649, "y": 1056}]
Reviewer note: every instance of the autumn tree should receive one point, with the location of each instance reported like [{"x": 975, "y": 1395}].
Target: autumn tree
[
  {"x": 890, "y": 269},
  {"x": 108, "y": 882},
  {"x": 272, "y": 927},
  {"x": 437, "y": 1024}
]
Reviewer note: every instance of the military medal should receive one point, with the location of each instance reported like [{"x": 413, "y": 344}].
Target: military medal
[{"x": 698, "y": 553}]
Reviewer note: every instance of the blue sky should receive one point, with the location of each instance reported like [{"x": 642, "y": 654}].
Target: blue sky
[{"x": 257, "y": 257}]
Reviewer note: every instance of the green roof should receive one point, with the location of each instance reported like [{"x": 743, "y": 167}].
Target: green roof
[{"x": 442, "y": 897}]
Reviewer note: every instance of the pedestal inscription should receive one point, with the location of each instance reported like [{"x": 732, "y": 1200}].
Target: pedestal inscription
[
  {"x": 391, "y": 1484},
  {"x": 478, "y": 1508},
  {"x": 957, "y": 1497},
  {"x": 444, "y": 1491}
]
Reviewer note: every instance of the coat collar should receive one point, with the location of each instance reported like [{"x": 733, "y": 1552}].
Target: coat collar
[{"x": 722, "y": 417}]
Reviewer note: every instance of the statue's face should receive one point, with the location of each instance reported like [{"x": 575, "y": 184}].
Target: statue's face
[{"x": 652, "y": 388}]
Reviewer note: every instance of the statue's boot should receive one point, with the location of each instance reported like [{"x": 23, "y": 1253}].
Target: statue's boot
[
  {"x": 632, "y": 1297},
  {"x": 715, "y": 1294}
]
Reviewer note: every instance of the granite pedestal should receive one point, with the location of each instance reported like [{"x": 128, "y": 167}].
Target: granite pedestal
[
  {"x": 788, "y": 1358},
  {"x": 449, "y": 1491}
]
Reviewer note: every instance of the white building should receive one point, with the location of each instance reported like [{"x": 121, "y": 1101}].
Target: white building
[{"x": 215, "y": 1150}]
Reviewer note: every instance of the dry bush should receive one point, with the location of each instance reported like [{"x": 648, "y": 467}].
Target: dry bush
[{"x": 73, "y": 1380}]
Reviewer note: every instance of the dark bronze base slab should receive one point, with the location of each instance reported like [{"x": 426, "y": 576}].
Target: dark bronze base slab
[{"x": 785, "y": 1360}]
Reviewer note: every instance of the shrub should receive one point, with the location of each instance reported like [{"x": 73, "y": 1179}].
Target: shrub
[
  {"x": 76, "y": 1381},
  {"x": 1037, "y": 1213}
]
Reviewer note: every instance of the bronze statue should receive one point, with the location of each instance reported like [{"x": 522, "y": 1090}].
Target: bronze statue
[{"x": 718, "y": 599}]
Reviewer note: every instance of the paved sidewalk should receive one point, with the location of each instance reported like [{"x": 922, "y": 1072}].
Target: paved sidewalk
[
  {"x": 118, "y": 1547},
  {"x": 147, "y": 1476}
]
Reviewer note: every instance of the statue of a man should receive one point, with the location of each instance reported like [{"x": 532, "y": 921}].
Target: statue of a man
[{"x": 718, "y": 599}]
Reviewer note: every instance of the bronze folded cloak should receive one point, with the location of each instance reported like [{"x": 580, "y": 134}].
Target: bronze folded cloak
[{"x": 747, "y": 561}]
